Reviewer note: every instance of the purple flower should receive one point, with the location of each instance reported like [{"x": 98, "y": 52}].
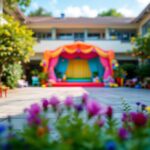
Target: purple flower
[
  {"x": 33, "y": 120},
  {"x": 143, "y": 106},
  {"x": 123, "y": 133},
  {"x": 2, "y": 128},
  {"x": 125, "y": 117},
  {"x": 54, "y": 101},
  {"x": 94, "y": 108},
  {"x": 78, "y": 107},
  {"x": 109, "y": 112},
  {"x": 35, "y": 109},
  {"x": 33, "y": 114},
  {"x": 85, "y": 97},
  {"x": 45, "y": 104},
  {"x": 68, "y": 101},
  {"x": 138, "y": 103}
]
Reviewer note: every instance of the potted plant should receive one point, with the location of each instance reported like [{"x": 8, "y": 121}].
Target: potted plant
[
  {"x": 34, "y": 72},
  {"x": 119, "y": 75},
  {"x": 59, "y": 76},
  {"x": 96, "y": 78},
  {"x": 43, "y": 77}
]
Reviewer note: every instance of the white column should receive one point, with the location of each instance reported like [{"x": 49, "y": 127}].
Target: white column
[
  {"x": 53, "y": 31},
  {"x": 85, "y": 34},
  {"x": 107, "y": 34}
]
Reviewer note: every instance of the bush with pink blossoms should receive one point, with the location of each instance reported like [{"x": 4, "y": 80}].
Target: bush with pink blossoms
[{"x": 84, "y": 125}]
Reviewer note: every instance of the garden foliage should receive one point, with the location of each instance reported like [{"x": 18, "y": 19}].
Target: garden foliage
[
  {"x": 16, "y": 43},
  {"x": 81, "y": 125},
  {"x": 142, "y": 47},
  {"x": 11, "y": 74}
]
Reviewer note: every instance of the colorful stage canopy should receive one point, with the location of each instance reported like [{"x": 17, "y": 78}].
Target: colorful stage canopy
[{"x": 75, "y": 50}]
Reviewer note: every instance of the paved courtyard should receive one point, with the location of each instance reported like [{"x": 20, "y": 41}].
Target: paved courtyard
[{"x": 19, "y": 99}]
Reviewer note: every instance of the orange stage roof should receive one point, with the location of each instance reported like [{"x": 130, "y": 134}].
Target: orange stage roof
[{"x": 83, "y": 47}]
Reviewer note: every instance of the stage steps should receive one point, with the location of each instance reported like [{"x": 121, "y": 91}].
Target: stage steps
[{"x": 77, "y": 84}]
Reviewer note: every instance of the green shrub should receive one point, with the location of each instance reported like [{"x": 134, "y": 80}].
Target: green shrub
[
  {"x": 144, "y": 71},
  {"x": 43, "y": 76},
  {"x": 119, "y": 72},
  {"x": 12, "y": 73},
  {"x": 34, "y": 72},
  {"x": 131, "y": 70}
]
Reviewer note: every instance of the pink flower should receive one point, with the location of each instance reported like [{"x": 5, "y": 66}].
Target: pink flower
[
  {"x": 33, "y": 114},
  {"x": 45, "y": 104},
  {"x": 123, "y": 133},
  {"x": 85, "y": 97},
  {"x": 34, "y": 109},
  {"x": 68, "y": 101},
  {"x": 54, "y": 101},
  {"x": 109, "y": 112},
  {"x": 94, "y": 108},
  {"x": 139, "y": 119}
]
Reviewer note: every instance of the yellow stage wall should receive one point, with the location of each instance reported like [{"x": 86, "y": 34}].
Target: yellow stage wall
[{"x": 78, "y": 68}]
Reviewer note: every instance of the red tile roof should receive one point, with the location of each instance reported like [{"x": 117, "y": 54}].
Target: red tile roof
[{"x": 80, "y": 20}]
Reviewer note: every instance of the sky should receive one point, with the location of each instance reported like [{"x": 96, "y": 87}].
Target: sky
[{"x": 89, "y": 8}]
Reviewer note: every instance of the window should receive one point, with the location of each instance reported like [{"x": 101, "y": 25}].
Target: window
[
  {"x": 41, "y": 36},
  {"x": 65, "y": 36},
  {"x": 93, "y": 36},
  {"x": 146, "y": 27},
  {"x": 79, "y": 36},
  {"x": 123, "y": 35}
]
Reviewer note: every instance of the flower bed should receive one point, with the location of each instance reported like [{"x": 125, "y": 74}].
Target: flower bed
[{"x": 83, "y": 125}]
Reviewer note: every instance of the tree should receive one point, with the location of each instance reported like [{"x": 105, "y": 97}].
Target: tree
[
  {"x": 16, "y": 43},
  {"x": 40, "y": 12},
  {"x": 11, "y": 74},
  {"x": 142, "y": 47},
  {"x": 111, "y": 12},
  {"x": 12, "y": 3}
]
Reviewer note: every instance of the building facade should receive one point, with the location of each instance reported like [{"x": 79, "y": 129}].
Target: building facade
[{"x": 108, "y": 33}]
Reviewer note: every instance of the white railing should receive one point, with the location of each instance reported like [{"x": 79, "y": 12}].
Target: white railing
[{"x": 115, "y": 45}]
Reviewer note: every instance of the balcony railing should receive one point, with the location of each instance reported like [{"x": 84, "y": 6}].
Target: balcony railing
[{"x": 115, "y": 45}]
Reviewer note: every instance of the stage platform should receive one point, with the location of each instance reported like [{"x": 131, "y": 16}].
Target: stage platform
[{"x": 77, "y": 84}]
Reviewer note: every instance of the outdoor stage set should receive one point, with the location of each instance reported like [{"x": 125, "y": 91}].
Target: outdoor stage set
[{"x": 78, "y": 64}]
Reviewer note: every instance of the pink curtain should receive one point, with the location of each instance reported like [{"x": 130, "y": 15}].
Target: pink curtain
[
  {"x": 106, "y": 64},
  {"x": 52, "y": 64}
]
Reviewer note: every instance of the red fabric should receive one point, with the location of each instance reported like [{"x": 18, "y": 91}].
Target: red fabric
[{"x": 79, "y": 55}]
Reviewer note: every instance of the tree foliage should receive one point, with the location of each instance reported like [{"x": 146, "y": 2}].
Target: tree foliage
[
  {"x": 12, "y": 73},
  {"x": 144, "y": 71},
  {"x": 142, "y": 47},
  {"x": 40, "y": 12},
  {"x": 16, "y": 43},
  {"x": 12, "y": 3},
  {"x": 111, "y": 12}
]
